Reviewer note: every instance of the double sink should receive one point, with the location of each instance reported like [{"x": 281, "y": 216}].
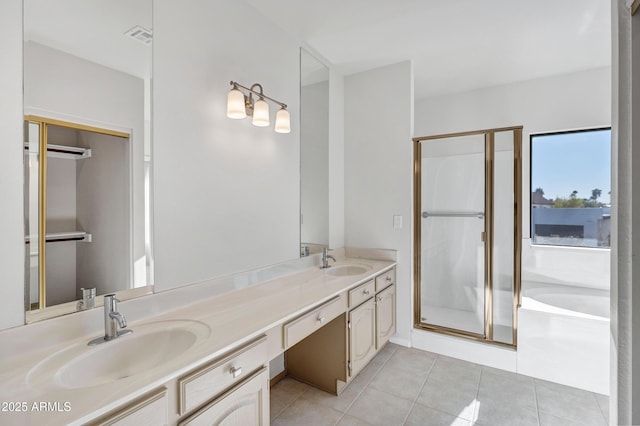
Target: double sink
[{"x": 151, "y": 345}]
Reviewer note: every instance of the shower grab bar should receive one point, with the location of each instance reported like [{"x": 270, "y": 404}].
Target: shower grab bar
[{"x": 479, "y": 215}]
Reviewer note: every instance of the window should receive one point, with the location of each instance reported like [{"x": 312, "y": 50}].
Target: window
[{"x": 571, "y": 188}]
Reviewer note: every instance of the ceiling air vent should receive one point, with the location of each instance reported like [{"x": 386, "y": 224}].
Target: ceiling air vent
[{"x": 140, "y": 34}]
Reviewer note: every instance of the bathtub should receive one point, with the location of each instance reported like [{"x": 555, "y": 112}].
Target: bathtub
[{"x": 563, "y": 335}]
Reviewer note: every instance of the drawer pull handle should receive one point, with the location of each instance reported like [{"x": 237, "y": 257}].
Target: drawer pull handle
[
  {"x": 366, "y": 292},
  {"x": 388, "y": 278},
  {"x": 236, "y": 371},
  {"x": 321, "y": 319},
  {"x": 380, "y": 299}
]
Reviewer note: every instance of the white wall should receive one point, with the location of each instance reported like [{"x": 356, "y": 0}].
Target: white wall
[
  {"x": 226, "y": 193},
  {"x": 378, "y": 171},
  {"x": 564, "y": 102},
  {"x": 11, "y": 170}
]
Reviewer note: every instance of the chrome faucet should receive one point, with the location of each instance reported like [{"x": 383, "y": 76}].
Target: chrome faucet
[
  {"x": 325, "y": 258},
  {"x": 112, "y": 320},
  {"x": 88, "y": 299}
]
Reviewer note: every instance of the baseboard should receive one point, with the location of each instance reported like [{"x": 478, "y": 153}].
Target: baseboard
[
  {"x": 465, "y": 349},
  {"x": 400, "y": 341},
  {"x": 277, "y": 378}
]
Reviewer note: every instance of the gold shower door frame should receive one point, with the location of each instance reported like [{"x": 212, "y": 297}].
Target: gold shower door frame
[{"x": 489, "y": 144}]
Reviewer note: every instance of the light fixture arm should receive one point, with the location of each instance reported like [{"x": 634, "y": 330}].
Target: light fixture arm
[{"x": 258, "y": 93}]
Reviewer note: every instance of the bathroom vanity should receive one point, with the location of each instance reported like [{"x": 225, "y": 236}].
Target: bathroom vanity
[{"x": 201, "y": 362}]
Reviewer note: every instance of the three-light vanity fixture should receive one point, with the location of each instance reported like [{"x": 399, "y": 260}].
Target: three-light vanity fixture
[{"x": 239, "y": 105}]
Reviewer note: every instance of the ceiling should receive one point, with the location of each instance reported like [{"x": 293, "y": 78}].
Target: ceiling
[
  {"x": 92, "y": 29},
  {"x": 455, "y": 45}
]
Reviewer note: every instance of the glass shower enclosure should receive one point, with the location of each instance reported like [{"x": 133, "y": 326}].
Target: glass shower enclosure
[{"x": 467, "y": 233}]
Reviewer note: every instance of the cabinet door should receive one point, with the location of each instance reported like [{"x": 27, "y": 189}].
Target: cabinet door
[
  {"x": 362, "y": 336},
  {"x": 247, "y": 404},
  {"x": 385, "y": 315}
]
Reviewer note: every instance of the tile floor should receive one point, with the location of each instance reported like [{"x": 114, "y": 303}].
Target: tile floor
[{"x": 410, "y": 387}]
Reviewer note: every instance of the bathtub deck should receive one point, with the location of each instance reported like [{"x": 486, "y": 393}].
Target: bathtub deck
[{"x": 559, "y": 344}]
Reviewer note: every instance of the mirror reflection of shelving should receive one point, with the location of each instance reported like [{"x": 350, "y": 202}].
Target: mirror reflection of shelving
[{"x": 78, "y": 200}]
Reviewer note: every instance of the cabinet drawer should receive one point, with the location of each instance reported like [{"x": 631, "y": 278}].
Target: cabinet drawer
[
  {"x": 201, "y": 385},
  {"x": 247, "y": 403},
  {"x": 361, "y": 293},
  {"x": 306, "y": 324},
  {"x": 150, "y": 410},
  {"x": 385, "y": 280}
]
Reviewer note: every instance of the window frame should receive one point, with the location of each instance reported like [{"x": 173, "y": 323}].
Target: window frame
[{"x": 558, "y": 132}]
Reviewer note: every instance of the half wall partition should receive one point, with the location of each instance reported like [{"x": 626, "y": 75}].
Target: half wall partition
[{"x": 467, "y": 233}]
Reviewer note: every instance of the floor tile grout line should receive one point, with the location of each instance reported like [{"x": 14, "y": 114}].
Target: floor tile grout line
[
  {"x": 606, "y": 419},
  {"x": 435, "y": 358},
  {"x": 413, "y": 404},
  {"x": 365, "y": 387},
  {"x": 535, "y": 398},
  {"x": 289, "y": 404},
  {"x": 344, "y": 413},
  {"x": 476, "y": 405},
  {"x": 563, "y": 415}
]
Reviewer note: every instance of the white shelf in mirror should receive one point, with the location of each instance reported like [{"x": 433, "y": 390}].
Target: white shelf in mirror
[
  {"x": 64, "y": 236},
  {"x": 62, "y": 151}
]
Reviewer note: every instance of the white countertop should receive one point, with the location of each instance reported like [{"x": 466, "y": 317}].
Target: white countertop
[{"x": 233, "y": 318}]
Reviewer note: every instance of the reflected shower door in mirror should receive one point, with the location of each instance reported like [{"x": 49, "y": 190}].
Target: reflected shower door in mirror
[
  {"x": 87, "y": 80},
  {"x": 467, "y": 242},
  {"x": 314, "y": 154}
]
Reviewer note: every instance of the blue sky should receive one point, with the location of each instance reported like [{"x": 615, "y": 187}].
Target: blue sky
[{"x": 566, "y": 162}]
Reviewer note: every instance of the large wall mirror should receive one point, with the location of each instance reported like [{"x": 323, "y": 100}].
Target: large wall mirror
[
  {"x": 314, "y": 154},
  {"x": 87, "y": 80}
]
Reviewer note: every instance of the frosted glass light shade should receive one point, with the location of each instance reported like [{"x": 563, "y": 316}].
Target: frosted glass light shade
[
  {"x": 235, "y": 104},
  {"x": 260, "y": 113},
  {"x": 283, "y": 121}
]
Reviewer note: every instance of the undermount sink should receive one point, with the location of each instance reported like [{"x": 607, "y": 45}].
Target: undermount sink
[
  {"x": 347, "y": 270},
  {"x": 149, "y": 346}
]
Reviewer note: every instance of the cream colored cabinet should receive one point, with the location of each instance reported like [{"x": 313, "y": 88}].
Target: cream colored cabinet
[
  {"x": 384, "y": 280},
  {"x": 306, "y": 324},
  {"x": 361, "y": 293},
  {"x": 362, "y": 336},
  {"x": 232, "y": 390},
  {"x": 385, "y": 315},
  {"x": 246, "y": 404},
  {"x": 372, "y": 323},
  {"x": 224, "y": 373},
  {"x": 150, "y": 410}
]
